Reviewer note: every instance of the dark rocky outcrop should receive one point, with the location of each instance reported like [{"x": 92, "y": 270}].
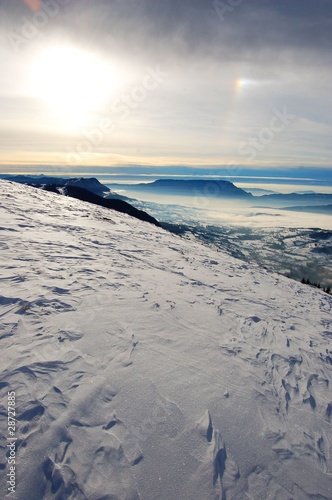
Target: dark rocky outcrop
[
  {"x": 91, "y": 184},
  {"x": 113, "y": 204}
]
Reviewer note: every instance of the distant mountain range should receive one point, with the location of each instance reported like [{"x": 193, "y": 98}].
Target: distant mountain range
[
  {"x": 305, "y": 202},
  {"x": 225, "y": 189},
  {"x": 199, "y": 187},
  {"x": 301, "y": 200},
  {"x": 317, "y": 209}
]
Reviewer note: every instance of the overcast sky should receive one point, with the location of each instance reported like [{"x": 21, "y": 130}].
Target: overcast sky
[{"x": 147, "y": 82}]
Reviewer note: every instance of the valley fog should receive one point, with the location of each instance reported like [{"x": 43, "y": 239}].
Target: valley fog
[{"x": 295, "y": 244}]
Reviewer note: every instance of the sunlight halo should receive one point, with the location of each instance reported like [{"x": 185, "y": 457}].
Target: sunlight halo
[{"x": 72, "y": 83}]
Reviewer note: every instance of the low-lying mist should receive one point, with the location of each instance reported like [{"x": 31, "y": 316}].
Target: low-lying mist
[{"x": 295, "y": 244}]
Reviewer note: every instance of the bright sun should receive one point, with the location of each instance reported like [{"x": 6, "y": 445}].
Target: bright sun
[{"x": 72, "y": 83}]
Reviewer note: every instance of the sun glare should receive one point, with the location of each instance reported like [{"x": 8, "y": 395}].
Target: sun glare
[{"x": 72, "y": 83}]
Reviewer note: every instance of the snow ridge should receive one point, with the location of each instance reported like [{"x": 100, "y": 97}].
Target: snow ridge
[{"x": 147, "y": 366}]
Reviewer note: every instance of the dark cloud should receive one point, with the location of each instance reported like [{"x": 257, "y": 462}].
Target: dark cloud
[{"x": 255, "y": 29}]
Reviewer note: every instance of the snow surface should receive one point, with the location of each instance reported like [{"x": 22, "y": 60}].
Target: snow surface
[{"x": 151, "y": 367}]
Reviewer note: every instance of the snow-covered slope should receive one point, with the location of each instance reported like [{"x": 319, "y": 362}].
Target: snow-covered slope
[{"x": 147, "y": 366}]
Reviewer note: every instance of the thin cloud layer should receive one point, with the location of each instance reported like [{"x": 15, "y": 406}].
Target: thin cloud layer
[{"x": 225, "y": 69}]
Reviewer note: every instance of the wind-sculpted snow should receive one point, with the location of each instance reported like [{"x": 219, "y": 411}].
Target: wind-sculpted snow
[{"x": 147, "y": 366}]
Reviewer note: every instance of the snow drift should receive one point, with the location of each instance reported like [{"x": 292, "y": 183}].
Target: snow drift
[{"x": 147, "y": 366}]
